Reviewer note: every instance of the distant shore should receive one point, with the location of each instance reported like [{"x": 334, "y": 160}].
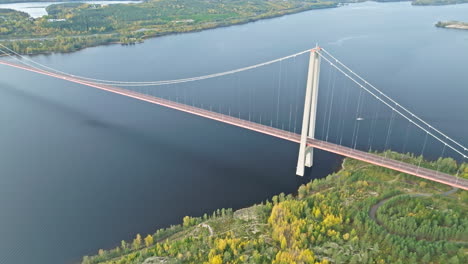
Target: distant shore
[
  {"x": 52, "y": 1},
  {"x": 41, "y": 36},
  {"x": 32, "y": 43}
]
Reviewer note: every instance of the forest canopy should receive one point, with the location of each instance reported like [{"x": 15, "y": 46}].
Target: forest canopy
[{"x": 361, "y": 214}]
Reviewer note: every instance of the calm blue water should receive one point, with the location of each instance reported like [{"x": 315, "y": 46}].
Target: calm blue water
[{"x": 81, "y": 169}]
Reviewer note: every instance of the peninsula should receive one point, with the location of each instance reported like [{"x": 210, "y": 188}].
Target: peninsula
[{"x": 452, "y": 24}]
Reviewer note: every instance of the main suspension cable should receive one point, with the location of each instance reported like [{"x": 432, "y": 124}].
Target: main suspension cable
[{"x": 149, "y": 83}]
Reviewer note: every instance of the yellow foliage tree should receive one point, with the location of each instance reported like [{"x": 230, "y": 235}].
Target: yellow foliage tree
[
  {"x": 332, "y": 220},
  {"x": 149, "y": 240},
  {"x": 137, "y": 242},
  {"x": 216, "y": 260},
  {"x": 346, "y": 236},
  {"x": 294, "y": 256},
  {"x": 221, "y": 243}
]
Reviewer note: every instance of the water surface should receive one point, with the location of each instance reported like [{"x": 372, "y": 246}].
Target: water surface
[{"x": 81, "y": 169}]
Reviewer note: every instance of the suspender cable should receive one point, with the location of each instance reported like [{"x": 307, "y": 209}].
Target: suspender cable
[
  {"x": 465, "y": 149},
  {"x": 422, "y": 152},
  {"x": 389, "y": 132},
  {"x": 356, "y": 121},
  {"x": 279, "y": 92},
  {"x": 394, "y": 109},
  {"x": 345, "y": 109},
  {"x": 441, "y": 157},
  {"x": 296, "y": 88},
  {"x": 326, "y": 101},
  {"x": 373, "y": 126},
  {"x": 406, "y": 138},
  {"x": 331, "y": 104}
]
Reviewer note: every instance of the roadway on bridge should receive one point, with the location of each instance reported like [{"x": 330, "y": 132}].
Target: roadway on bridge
[{"x": 326, "y": 146}]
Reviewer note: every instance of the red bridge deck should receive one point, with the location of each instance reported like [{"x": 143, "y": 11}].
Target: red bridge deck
[{"x": 330, "y": 147}]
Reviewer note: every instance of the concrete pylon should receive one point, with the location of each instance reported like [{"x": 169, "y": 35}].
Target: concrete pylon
[{"x": 306, "y": 153}]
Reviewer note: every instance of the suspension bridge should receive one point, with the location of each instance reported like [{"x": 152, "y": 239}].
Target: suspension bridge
[{"x": 306, "y": 139}]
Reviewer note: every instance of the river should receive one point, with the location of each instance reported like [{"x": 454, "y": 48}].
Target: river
[{"x": 82, "y": 169}]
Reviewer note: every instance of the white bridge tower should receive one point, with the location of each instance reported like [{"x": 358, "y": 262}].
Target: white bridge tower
[{"x": 306, "y": 153}]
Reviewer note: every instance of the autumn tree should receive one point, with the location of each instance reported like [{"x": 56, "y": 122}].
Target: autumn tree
[
  {"x": 149, "y": 240},
  {"x": 137, "y": 242}
]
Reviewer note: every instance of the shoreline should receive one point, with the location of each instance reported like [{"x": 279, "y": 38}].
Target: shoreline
[
  {"x": 203, "y": 27},
  {"x": 112, "y": 38}
]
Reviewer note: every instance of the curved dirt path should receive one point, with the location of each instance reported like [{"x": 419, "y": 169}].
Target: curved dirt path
[
  {"x": 375, "y": 207},
  {"x": 209, "y": 228}
]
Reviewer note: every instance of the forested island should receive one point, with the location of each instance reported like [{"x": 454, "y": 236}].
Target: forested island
[
  {"x": 361, "y": 214},
  {"x": 73, "y": 26},
  {"x": 452, "y": 24}
]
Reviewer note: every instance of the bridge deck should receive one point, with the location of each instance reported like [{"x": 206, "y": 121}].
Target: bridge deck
[{"x": 330, "y": 147}]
